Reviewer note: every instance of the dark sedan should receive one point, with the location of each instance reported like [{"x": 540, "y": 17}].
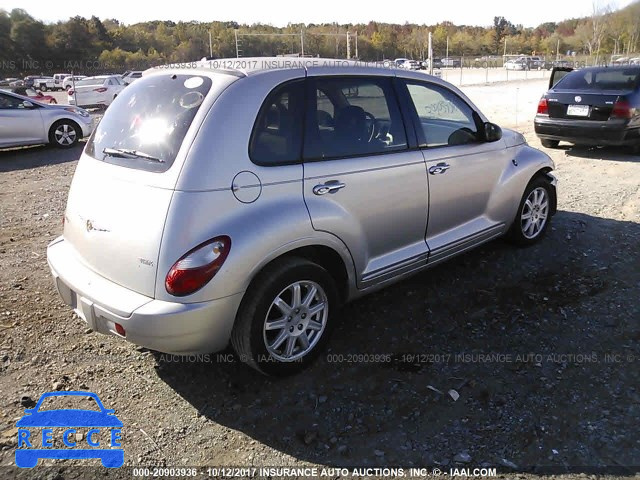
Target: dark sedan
[{"x": 591, "y": 106}]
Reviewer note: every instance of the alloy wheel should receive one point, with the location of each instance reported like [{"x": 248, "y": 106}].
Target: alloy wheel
[{"x": 295, "y": 321}]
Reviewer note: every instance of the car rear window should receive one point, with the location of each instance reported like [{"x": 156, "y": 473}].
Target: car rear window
[
  {"x": 90, "y": 81},
  {"x": 150, "y": 117},
  {"x": 600, "y": 80}
]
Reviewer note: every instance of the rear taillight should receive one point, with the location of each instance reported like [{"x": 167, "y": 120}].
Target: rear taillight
[
  {"x": 70, "y": 92},
  {"x": 622, "y": 109},
  {"x": 199, "y": 265},
  {"x": 100, "y": 90},
  {"x": 543, "y": 107}
]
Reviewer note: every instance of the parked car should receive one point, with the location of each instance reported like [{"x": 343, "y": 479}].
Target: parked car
[
  {"x": 450, "y": 62},
  {"x": 591, "y": 106},
  {"x": 95, "y": 91},
  {"x": 29, "y": 81},
  {"x": 558, "y": 64},
  {"x": 68, "y": 82},
  {"x": 16, "y": 83},
  {"x": 7, "y": 81},
  {"x": 191, "y": 223},
  {"x": 410, "y": 65},
  {"x": 43, "y": 83},
  {"x": 535, "y": 63},
  {"x": 34, "y": 94},
  {"x": 400, "y": 61},
  {"x": 29, "y": 122},
  {"x": 58, "y": 78},
  {"x": 437, "y": 63},
  {"x": 130, "y": 77},
  {"x": 516, "y": 64}
]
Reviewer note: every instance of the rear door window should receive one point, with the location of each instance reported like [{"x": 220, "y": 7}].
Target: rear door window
[
  {"x": 277, "y": 133},
  {"x": 145, "y": 126}
]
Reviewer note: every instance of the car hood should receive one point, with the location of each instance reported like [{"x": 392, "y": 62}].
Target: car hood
[
  {"x": 512, "y": 138},
  {"x": 69, "y": 418}
]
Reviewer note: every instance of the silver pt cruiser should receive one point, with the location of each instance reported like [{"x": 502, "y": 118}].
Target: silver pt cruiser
[{"x": 245, "y": 203}]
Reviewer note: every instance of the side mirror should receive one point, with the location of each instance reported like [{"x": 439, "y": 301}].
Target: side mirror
[
  {"x": 27, "y": 104},
  {"x": 492, "y": 132}
]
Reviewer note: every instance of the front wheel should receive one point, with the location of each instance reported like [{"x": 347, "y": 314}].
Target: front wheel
[
  {"x": 64, "y": 134},
  {"x": 534, "y": 213},
  {"x": 43, "y": 88},
  {"x": 285, "y": 318}
]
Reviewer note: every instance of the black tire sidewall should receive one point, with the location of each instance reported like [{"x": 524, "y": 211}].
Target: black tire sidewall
[
  {"x": 516, "y": 233},
  {"x": 259, "y": 307},
  {"x": 52, "y": 136}
]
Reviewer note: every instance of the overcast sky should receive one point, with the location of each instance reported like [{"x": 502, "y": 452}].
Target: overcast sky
[{"x": 279, "y": 13}]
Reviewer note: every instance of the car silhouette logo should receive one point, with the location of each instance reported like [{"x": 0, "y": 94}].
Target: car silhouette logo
[
  {"x": 578, "y": 98},
  {"x": 27, "y": 453}
]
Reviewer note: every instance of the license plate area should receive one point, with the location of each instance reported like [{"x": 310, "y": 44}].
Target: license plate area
[{"x": 578, "y": 110}]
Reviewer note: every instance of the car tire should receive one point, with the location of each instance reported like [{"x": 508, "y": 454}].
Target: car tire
[
  {"x": 270, "y": 299},
  {"x": 43, "y": 88},
  {"x": 550, "y": 143},
  {"x": 53, "y": 102},
  {"x": 534, "y": 213},
  {"x": 64, "y": 134}
]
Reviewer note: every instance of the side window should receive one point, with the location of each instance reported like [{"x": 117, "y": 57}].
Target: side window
[
  {"x": 10, "y": 103},
  {"x": 351, "y": 116},
  {"x": 111, "y": 82},
  {"x": 277, "y": 133},
  {"x": 445, "y": 118}
]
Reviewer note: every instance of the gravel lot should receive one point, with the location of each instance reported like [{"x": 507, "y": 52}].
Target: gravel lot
[{"x": 540, "y": 344}]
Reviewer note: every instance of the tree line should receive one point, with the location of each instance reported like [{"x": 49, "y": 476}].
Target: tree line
[{"x": 92, "y": 45}]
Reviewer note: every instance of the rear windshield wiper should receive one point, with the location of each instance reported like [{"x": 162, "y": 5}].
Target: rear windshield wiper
[{"x": 129, "y": 153}]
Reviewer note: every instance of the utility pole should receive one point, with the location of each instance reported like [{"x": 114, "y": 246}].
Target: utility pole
[
  {"x": 558, "y": 51},
  {"x": 430, "y": 55},
  {"x": 301, "y": 42},
  {"x": 357, "y": 57},
  {"x": 210, "y": 45},
  {"x": 348, "y": 45},
  {"x": 447, "y": 55},
  {"x": 237, "y": 51}
]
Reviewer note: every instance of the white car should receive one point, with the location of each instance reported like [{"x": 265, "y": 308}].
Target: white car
[
  {"x": 95, "y": 91},
  {"x": 29, "y": 122},
  {"x": 131, "y": 77},
  {"x": 67, "y": 83},
  {"x": 410, "y": 65}
]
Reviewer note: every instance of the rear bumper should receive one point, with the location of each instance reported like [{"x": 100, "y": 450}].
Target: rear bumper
[
  {"x": 585, "y": 132},
  {"x": 170, "y": 327}
]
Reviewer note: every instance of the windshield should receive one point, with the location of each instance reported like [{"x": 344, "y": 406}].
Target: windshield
[
  {"x": 600, "y": 80},
  {"x": 144, "y": 127}
]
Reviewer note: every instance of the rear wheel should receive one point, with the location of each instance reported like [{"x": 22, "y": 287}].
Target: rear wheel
[
  {"x": 64, "y": 134},
  {"x": 285, "y": 318},
  {"x": 534, "y": 213},
  {"x": 550, "y": 143},
  {"x": 43, "y": 88}
]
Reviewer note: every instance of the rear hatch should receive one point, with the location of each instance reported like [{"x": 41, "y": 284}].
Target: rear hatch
[
  {"x": 590, "y": 94},
  {"x": 124, "y": 182}
]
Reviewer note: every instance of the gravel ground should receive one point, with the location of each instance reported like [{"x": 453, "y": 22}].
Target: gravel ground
[{"x": 516, "y": 358}]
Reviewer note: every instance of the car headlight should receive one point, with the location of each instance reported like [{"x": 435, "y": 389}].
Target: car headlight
[{"x": 79, "y": 111}]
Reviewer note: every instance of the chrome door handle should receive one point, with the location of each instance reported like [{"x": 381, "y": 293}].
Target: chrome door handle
[
  {"x": 329, "y": 187},
  {"x": 439, "y": 168}
]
